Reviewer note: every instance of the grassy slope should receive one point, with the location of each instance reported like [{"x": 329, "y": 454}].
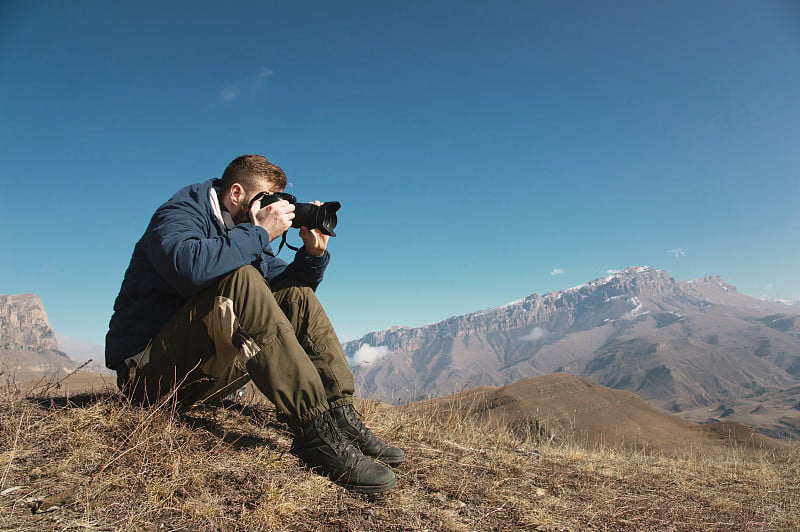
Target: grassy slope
[{"x": 94, "y": 462}]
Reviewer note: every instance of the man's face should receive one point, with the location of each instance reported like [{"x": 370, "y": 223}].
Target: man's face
[{"x": 242, "y": 211}]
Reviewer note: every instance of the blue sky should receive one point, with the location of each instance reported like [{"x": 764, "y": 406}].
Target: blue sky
[{"x": 482, "y": 151}]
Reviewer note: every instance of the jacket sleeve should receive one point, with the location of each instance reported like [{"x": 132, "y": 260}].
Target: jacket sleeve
[
  {"x": 305, "y": 268},
  {"x": 183, "y": 248}
]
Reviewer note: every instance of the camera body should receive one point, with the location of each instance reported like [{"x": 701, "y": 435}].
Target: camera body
[{"x": 322, "y": 217}]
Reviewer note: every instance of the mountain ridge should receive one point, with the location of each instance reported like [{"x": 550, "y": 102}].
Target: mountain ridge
[{"x": 683, "y": 346}]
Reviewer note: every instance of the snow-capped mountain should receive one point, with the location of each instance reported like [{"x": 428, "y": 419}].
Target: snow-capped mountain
[{"x": 685, "y": 346}]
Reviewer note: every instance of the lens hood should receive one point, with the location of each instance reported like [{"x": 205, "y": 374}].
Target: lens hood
[{"x": 322, "y": 217}]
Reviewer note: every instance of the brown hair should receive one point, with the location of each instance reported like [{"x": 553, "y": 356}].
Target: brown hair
[{"x": 250, "y": 171}]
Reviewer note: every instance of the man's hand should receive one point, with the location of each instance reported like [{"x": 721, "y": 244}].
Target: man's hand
[
  {"x": 276, "y": 218},
  {"x": 315, "y": 242}
]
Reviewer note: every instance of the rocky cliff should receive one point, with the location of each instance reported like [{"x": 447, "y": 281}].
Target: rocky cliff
[{"x": 28, "y": 346}]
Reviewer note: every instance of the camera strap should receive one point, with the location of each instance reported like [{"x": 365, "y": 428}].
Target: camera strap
[
  {"x": 277, "y": 196},
  {"x": 285, "y": 243}
]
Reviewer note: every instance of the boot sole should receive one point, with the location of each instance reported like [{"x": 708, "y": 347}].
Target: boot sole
[
  {"x": 357, "y": 488},
  {"x": 371, "y": 489},
  {"x": 390, "y": 463},
  {"x": 387, "y": 459}
]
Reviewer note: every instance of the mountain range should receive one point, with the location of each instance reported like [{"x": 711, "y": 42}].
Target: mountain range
[{"x": 699, "y": 348}]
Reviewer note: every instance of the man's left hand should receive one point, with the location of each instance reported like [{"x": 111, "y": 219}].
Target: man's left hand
[{"x": 315, "y": 242}]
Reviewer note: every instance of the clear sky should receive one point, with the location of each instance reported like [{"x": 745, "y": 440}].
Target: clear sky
[{"x": 482, "y": 151}]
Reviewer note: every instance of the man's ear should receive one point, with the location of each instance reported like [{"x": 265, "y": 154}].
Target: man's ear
[{"x": 237, "y": 194}]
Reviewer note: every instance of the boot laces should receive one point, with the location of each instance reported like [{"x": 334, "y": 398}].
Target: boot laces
[
  {"x": 334, "y": 436},
  {"x": 354, "y": 420}
]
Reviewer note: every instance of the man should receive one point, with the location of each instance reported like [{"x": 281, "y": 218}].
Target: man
[{"x": 206, "y": 306}]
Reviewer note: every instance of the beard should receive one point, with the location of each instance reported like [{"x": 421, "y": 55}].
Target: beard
[
  {"x": 241, "y": 215},
  {"x": 241, "y": 212}
]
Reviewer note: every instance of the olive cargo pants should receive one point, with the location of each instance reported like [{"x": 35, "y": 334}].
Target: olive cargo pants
[{"x": 240, "y": 329}]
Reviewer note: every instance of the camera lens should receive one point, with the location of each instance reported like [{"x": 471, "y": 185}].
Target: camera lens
[{"x": 322, "y": 217}]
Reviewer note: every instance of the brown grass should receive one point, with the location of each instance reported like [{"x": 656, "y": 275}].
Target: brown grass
[{"x": 95, "y": 462}]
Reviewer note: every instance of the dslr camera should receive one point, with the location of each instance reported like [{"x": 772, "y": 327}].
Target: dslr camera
[{"x": 322, "y": 217}]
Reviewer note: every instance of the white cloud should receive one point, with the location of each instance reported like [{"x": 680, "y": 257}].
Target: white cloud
[
  {"x": 678, "y": 252},
  {"x": 612, "y": 272},
  {"x": 264, "y": 73},
  {"x": 229, "y": 93},
  {"x": 557, "y": 271},
  {"x": 366, "y": 354},
  {"x": 535, "y": 335},
  {"x": 250, "y": 86},
  {"x": 768, "y": 286}
]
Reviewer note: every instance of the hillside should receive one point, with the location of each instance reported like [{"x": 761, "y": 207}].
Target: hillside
[
  {"x": 699, "y": 348},
  {"x": 561, "y": 405},
  {"x": 92, "y": 461}
]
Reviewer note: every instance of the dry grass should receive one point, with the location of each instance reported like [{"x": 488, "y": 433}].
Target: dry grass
[{"x": 95, "y": 462}]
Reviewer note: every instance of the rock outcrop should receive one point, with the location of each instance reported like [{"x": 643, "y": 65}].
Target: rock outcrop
[{"x": 28, "y": 346}]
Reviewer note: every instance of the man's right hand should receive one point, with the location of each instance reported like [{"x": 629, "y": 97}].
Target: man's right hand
[{"x": 276, "y": 218}]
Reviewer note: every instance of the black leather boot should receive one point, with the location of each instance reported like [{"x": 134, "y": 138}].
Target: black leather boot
[
  {"x": 322, "y": 447},
  {"x": 350, "y": 424}
]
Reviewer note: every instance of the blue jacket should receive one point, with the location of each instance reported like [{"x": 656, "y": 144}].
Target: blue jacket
[{"x": 184, "y": 249}]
